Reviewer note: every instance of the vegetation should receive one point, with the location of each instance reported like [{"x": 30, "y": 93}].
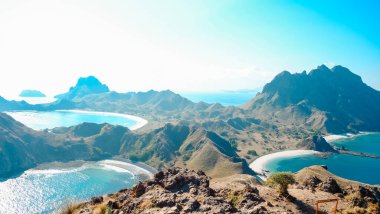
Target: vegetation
[
  {"x": 102, "y": 209},
  {"x": 371, "y": 208},
  {"x": 252, "y": 152},
  {"x": 69, "y": 208},
  {"x": 281, "y": 181},
  {"x": 362, "y": 205},
  {"x": 235, "y": 198}
]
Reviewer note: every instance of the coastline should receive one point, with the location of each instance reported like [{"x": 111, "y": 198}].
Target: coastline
[
  {"x": 114, "y": 164},
  {"x": 140, "y": 122},
  {"x": 334, "y": 137},
  {"x": 258, "y": 165}
]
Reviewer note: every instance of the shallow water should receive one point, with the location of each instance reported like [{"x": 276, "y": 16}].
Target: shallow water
[
  {"x": 362, "y": 169},
  {"x": 46, "y": 190},
  {"x": 41, "y": 120}
]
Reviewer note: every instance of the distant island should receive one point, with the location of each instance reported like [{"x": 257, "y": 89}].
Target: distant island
[
  {"x": 31, "y": 93},
  {"x": 85, "y": 86}
]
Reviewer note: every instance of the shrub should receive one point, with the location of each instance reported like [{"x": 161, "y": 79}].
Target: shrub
[
  {"x": 102, "y": 209},
  {"x": 280, "y": 181},
  {"x": 69, "y": 208},
  {"x": 235, "y": 198},
  {"x": 252, "y": 152}
]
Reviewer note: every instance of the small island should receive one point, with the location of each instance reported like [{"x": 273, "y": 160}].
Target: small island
[{"x": 32, "y": 93}]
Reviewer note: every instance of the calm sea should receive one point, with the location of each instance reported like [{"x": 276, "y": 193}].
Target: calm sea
[
  {"x": 50, "y": 119},
  {"x": 362, "y": 169},
  {"x": 49, "y": 189},
  {"x": 226, "y": 98}
]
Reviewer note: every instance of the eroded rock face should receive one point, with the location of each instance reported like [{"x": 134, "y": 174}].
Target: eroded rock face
[
  {"x": 178, "y": 190},
  {"x": 330, "y": 185},
  {"x": 312, "y": 182}
]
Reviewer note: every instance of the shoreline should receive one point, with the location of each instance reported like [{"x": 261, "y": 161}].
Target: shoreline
[
  {"x": 258, "y": 165},
  {"x": 140, "y": 122},
  {"x": 114, "y": 164},
  {"x": 335, "y": 137}
]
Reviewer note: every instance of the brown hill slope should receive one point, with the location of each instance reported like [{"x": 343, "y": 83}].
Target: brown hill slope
[
  {"x": 22, "y": 148},
  {"x": 334, "y": 99}
]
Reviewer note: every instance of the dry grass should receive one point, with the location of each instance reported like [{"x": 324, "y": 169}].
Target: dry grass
[
  {"x": 69, "y": 209},
  {"x": 235, "y": 198},
  {"x": 371, "y": 208},
  {"x": 146, "y": 204},
  {"x": 100, "y": 209}
]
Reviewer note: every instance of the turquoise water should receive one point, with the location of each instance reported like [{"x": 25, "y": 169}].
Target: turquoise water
[
  {"x": 226, "y": 98},
  {"x": 50, "y": 119},
  {"x": 365, "y": 143},
  {"x": 47, "y": 190},
  {"x": 362, "y": 169}
]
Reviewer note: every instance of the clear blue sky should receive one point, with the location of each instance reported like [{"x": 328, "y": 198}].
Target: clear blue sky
[{"x": 182, "y": 45}]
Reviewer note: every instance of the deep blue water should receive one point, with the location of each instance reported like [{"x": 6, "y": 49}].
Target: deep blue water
[
  {"x": 50, "y": 119},
  {"x": 364, "y": 143},
  {"x": 47, "y": 190},
  {"x": 226, "y": 98},
  {"x": 362, "y": 169}
]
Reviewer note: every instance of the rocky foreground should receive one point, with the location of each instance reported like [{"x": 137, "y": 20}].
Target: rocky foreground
[{"x": 178, "y": 190}]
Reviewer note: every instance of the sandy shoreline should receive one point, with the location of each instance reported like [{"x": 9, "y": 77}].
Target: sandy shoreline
[
  {"x": 140, "y": 121},
  {"x": 330, "y": 138},
  {"x": 258, "y": 166}
]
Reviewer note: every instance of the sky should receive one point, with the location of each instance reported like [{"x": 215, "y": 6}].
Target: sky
[{"x": 198, "y": 45}]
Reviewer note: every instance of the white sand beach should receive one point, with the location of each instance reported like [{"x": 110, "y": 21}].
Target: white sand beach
[
  {"x": 330, "y": 138},
  {"x": 140, "y": 121},
  {"x": 258, "y": 166}
]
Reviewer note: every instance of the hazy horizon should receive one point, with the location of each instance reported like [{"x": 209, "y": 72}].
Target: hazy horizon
[{"x": 182, "y": 46}]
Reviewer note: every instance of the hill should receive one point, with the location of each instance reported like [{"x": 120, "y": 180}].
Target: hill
[
  {"x": 189, "y": 146},
  {"x": 335, "y": 100},
  {"x": 6, "y": 105},
  {"x": 22, "y": 148},
  {"x": 178, "y": 190},
  {"x": 31, "y": 93},
  {"x": 85, "y": 86}
]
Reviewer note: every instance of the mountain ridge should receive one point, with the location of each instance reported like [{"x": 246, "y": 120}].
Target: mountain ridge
[
  {"x": 22, "y": 148},
  {"x": 348, "y": 104}
]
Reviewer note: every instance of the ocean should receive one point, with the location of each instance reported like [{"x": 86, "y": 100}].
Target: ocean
[
  {"x": 226, "y": 98},
  {"x": 362, "y": 169},
  {"x": 49, "y": 119},
  {"x": 49, "y": 189}
]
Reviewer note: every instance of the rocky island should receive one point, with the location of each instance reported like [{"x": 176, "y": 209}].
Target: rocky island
[{"x": 32, "y": 93}]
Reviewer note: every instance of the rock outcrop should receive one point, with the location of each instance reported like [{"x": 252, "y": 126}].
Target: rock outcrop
[
  {"x": 317, "y": 143},
  {"x": 359, "y": 197},
  {"x": 177, "y": 190}
]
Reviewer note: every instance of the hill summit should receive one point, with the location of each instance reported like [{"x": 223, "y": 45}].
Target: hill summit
[
  {"x": 335, "y": 99},
  {"x": 85, "y": 86}
]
